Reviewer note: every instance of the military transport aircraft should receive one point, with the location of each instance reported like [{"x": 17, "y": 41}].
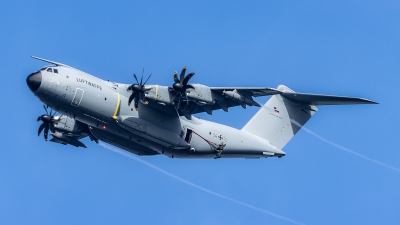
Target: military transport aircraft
[{"x": 161, "y": 121}]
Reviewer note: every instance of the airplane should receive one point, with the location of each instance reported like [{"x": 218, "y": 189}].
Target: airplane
[{"x": 161, "y": 119}]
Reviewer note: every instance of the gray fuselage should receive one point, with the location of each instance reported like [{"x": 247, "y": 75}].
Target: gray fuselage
[{"x": 103, "y": 106}]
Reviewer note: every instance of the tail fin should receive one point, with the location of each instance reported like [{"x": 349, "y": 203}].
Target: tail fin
[{"x": 279, "y": 119}]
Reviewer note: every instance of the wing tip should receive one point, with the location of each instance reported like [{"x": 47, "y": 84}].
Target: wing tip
[
  {"x": 367, "y": 101},
  {"x": 373, "y": 102}
]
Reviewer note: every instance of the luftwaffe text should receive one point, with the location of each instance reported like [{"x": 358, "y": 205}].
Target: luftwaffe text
[{"x": 88, "y": 83}]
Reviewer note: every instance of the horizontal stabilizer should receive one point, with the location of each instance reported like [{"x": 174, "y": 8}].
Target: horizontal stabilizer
[{"x": 315, "y": 99}]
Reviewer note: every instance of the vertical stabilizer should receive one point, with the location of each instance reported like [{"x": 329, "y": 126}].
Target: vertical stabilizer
[{"x": 273, "y": 121}]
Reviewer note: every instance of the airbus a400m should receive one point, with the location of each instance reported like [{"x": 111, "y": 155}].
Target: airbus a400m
[{"x": 152, "y": 119}]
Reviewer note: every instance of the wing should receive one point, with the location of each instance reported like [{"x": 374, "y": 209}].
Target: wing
[
  {"x": 202, "y": 98},
  {"x": 225, "y": 103}
]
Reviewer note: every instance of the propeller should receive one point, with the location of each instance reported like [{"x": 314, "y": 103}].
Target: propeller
[
  {"x": 47, "y": 119},
  {"x": 138, "y": 90},
  {"x": 181, "y": 85}
]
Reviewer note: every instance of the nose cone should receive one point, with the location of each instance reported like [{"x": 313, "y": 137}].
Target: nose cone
[{"x": 34, "y": 80}]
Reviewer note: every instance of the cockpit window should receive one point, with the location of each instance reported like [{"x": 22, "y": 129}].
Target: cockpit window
[
  {"x": 43, "y": 68},
  {"x": 55, "y": 70},
  {"x": 49, "y": 70}
]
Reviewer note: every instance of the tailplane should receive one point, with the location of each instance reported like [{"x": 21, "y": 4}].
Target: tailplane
[{"x": 283, "y": 115}]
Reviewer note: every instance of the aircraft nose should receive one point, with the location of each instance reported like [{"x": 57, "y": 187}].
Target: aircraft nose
[{"x": 34, "y": 80}]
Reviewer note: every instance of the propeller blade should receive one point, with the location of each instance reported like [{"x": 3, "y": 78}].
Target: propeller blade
[
  {"x": 187, "y": 86},
  {"x": 51, "y": 111},
  {"x": 45, "y": 109},
  {"x": 175, "y": 96},
  {"x": 134, "y": 75},
  {"x": 187, "y": 78},
  {"x": 137, "y": 95},
  {"x": 136, "y": 105},
  {"x": 147, "y": 79},
  {"x": 173, "y": 101},
  {"x": 183, "y": 73},
  {"x": 137, "y": 101},
  {"x": 41, "y": 128},
  {"x": 52, "y": 130},
  {"x": 179, "y": 102},
  {"x": 187, "y": 100},
  {"x": 131, "y": 98},
  {"x": 146, "y": 89},
  {"x": 38, "y": 119},
  {"x": 176, "y": 77},
  {"x": 141, "y": 79},
  {"x": 46, "y": 131},
  {"x": 54, "y": 113}
]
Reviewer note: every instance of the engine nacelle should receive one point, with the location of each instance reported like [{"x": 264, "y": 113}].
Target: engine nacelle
[
  {"x": 200, "y": 94},
  {"x": 69, "y": 125},
  {"x": 160, "y": 94},
  {"x": 236, "y": 96}
]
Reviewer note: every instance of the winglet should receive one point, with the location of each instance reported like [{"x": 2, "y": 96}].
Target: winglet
[{"x": 49, "y": 61}]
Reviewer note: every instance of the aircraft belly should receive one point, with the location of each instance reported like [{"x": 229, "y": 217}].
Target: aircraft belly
[
  {"x": 152, "y": 132},
  {"x": 123, "y": 142}
]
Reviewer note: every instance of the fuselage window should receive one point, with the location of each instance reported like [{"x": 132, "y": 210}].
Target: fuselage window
[
  {"x": 49, "y": 70},
  {"x": 55, "y": 70}
]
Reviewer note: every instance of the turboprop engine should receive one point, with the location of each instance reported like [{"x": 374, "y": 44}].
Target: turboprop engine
[
  {"x": 160, "y": 94},
  {"x": 201, "y": 94},
  {"x": 239, "y": 97}
]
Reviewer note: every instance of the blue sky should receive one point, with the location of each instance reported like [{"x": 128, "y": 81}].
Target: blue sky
[{"x": 346, "y": 48}]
